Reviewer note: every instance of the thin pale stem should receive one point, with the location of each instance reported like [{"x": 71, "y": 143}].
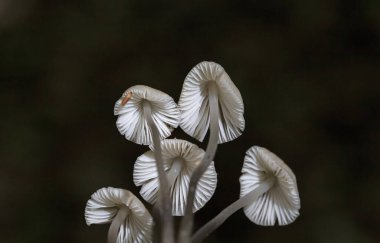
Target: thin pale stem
[
  {"x": 113, "y": 231},
  {"x": 244, "y": 201},
  {"x": 174, "y": 170},
  {"x": 187, "y": 221},
  {"x": 166, "y": 219}
]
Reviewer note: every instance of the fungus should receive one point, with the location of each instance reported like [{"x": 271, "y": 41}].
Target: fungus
[
  {"x": 209, "y": 96},
  {"x": 180, "y": 159},
  {"x": 209, "y": 99},
  {"x": 146, "y": 116},
  {"x": 137, "y": 104},
  {"x": 130, "y": 221},
  {"x": 268, "y": 193}
]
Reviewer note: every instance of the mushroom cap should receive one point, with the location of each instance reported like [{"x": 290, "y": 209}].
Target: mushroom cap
[
  {"x": 145, "y": 175},
  {"x": 131, "y": 121},
  {"x": 281, "y": 202},
  {"x": 104, "y": 205},
  {"x": 194, "y": 103}
]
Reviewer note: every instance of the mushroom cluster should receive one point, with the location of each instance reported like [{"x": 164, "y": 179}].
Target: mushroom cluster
[{"x": 178, "y": 177}]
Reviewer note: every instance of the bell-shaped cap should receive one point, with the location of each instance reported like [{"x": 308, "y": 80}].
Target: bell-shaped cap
[
  {"x": 104, "y": 206},
  {"x": 132, "y": 122},
  {"x": 180, "y": 159},
  {"x": 281, "y": 202},
  {"x": 194, "y": 103}
]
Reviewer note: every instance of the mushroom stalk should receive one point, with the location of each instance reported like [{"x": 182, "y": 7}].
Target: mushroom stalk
[
  {"x": 213, "y": 224},
  {"x": 174, "y": 171},
  {"x": 187, "y": 221},
  {"x": 165, "y": 223},
  {"x": 115, "y": 225}
]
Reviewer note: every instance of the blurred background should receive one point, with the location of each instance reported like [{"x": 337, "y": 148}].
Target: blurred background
[{"x": 308, "y": 72}]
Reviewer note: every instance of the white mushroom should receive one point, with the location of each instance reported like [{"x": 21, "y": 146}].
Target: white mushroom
[
  {"x": 281, "y": 202},
  {"x": 132, "y": 111},
  {"x": 268, "y": 193},
  {"x": 208, "y": 99},
  {"x": 204, "y": 80},
  {"x": 180, "y": 159},
  {"x": 130, "y": 221},
  {"x": 146, "y": 116}
]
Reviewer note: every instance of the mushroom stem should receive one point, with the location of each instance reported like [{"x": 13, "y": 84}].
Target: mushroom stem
[
  {"x": 213, "y": 224},
  {"x": 165, "y": 223},
  {"x": 115, "y": 225},
  {"x": 174, "y": 171},
  {"x": 187, "y": 221}
]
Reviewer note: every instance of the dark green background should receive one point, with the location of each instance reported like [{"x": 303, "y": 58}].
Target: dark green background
[{"x": 308, "y": 72}]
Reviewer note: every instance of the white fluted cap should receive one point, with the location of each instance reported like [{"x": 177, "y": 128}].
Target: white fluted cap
[
  {"x": 194, "y": 103},
  {"x": 189, "y": 156},
  {"x": 281, "y": 202},
  {"x": 105, "y": 204},
  {"x": 133, "y": 124}
]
